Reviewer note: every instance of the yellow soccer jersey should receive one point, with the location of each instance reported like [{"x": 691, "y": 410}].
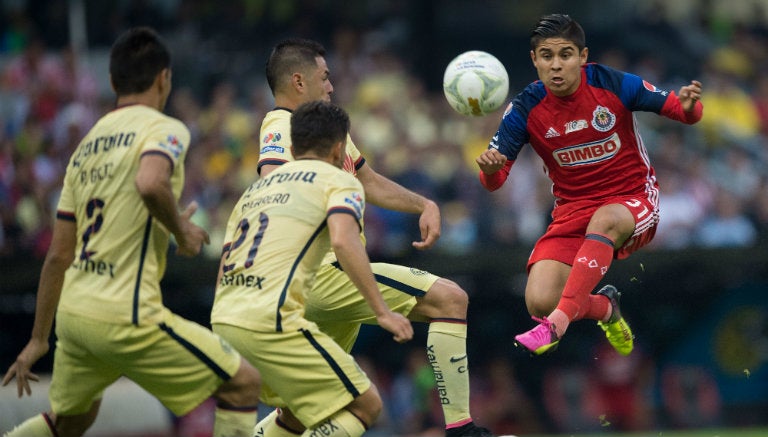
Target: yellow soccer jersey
[
  {"x": 275, "y": 241},
  {"x": 276, "y": 142},
  {"x": 276, "y": 149},
  {"x": 121, "y": 250}
]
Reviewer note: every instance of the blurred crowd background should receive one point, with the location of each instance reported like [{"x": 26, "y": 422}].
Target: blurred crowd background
[{"x": 387, "y": 59}]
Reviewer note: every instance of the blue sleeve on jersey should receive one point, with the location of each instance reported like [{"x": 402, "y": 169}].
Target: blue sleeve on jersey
[
  {"x": 513, "y": 130},
  {"x": 635, "y": 93}
]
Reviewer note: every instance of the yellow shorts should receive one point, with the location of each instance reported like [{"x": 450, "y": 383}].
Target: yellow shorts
[
  {"x": 178, "y": 361},
  {"x": 338, "y": 308},
  {"x": 305, "y": 370}
]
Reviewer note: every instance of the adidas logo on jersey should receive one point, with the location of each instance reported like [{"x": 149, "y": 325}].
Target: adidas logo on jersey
[{"x": 551, "y": 133}]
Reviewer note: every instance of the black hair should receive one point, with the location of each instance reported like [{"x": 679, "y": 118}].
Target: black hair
[
  {"x": 558, "y": 26},
  {"x": 316, "y": 126},
  {"x": 135, "y": 59},
  {"x": 291, "y": 56}
]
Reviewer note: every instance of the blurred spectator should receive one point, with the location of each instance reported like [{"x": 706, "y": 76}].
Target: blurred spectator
[
  {"x": 734, "y": 170},
  {"x": 570, "y": 399},
  {"x": 622, "y": 384},
  {"x": 413, "y": 396},
  {"x": 680, "y": 211},
  {"x": 500, "y": 401},
  {"x": 611, "y": 394},
  {"x": 36, "y": 75},
  {"x": 730, "y": 114},
  {"x": 760, "y": 98},
  {"x": 690, "y": 397},
  {"x": 729, "y": 226},
  {"x": 759, "y": 211}
]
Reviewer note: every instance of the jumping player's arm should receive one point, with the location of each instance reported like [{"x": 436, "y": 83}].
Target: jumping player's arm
[
  {"x": 494, "y": 169},
  {"x": 385, "y": 193},
  {"x": 496, "y": 162},
  {"x": 153, "y": 182},
  {"x": 685, "y": 106},
  {"x": 58, "y": 259},
  {"x": 345, "y": 239},
  {"x": 640, "y": 95}
]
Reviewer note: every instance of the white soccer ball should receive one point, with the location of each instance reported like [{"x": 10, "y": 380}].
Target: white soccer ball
[{"x": 475, "y": 83}]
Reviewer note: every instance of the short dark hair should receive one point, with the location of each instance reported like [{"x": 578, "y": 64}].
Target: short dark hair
[
  {"x": 136, "y": 57},
  {"x": 317, "y": 126},
  {"x": 558, "y": 26},
  {"x": 289, "y": 56}
]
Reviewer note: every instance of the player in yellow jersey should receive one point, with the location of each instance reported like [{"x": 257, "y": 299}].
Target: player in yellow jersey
[
  {"x": 101, "y": 276},
  {"x": 276, "y": 238},
  {"x": 297, "y": 73}
]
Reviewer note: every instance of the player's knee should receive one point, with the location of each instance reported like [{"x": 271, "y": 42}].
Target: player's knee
[
  {"x": 242, "y": 390},
  {"x": 250, "y": 386},
  {"x": 368, "y": 406},
  {"x": 540, "y": 305},
  {"x": 75, "y": 426},
  {"x": 452, "y": 298}
]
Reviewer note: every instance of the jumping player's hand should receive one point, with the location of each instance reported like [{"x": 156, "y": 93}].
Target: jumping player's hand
[
  {"x": 193, "y": 237},
  {"x": 21, "y": 368},
  {"x": 429, "y": 225},
  {"x": 491, "y": 161},
  {"x": 689, "y": 95},
  {"x": 397, "y": 324}
]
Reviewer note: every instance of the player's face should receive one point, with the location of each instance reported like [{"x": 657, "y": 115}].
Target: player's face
[
  {"x": 558, "y": 63},
  {"x": 319, "y": 85}
]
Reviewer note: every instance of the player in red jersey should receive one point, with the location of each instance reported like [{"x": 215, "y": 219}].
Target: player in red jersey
[{"x": 578, "y": 117}]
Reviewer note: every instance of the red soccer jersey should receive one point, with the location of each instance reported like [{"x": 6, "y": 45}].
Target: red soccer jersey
[{"x": 588, "y": 140}]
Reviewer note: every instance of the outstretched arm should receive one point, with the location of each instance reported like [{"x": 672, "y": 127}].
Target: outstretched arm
[
  {"x": 57, "y": 261},
  {"x": 494, "y": 169},
  {"x": 689, "y": 95},
  {"x": 685, "y": 106},
  {"x": 385, "y": 193}
]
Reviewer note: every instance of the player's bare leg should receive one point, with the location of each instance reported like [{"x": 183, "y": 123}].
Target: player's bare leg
[
  {"x": 237, "y": 402},
  {"x": 608, "y": 229}
]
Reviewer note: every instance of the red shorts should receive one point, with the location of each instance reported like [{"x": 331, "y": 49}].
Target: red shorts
[{"x": 566, "y": 233}]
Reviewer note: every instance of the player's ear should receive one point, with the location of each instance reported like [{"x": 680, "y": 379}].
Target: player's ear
[
  {"x": 297, "y": 81},
  {"x": 162, "y": 80},
  {"x": 337, "y": 152},
  {"x": 584, "y": 55}
]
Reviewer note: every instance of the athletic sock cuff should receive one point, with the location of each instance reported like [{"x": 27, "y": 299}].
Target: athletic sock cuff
[{"x": 450, "y": 328}]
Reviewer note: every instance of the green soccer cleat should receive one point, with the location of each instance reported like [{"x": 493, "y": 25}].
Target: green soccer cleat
[{"x": 616, "y": 329}]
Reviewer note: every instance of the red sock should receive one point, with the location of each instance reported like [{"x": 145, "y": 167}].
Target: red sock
[
  {"x": 590, "y": 264},
  {"x": 599, "y": 308}
]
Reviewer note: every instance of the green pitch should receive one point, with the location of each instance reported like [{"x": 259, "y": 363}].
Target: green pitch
[{"x": 751, "y": 432}]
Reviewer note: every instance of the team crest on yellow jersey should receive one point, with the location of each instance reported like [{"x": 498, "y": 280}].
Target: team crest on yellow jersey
[
  {"x": 173, "y": 145},
  {"x": 356, "y": 202}
]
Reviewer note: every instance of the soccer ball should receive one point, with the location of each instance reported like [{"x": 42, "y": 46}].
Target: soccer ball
[{"x": 475, "y": 83}]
